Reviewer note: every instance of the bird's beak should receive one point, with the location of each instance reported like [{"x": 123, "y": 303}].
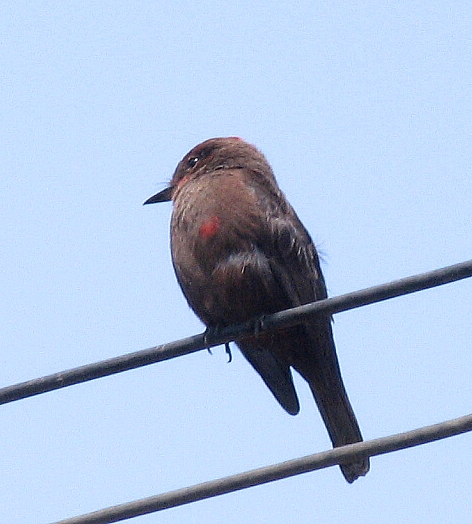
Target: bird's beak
[{"x": 163, "y": 196}]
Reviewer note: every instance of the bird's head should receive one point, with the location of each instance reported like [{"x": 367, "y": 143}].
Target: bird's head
[{"x": 212, "y": 156}]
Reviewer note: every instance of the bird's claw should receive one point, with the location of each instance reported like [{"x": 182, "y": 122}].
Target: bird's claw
[
  {"x": 209, "y": 333},
  {"x": 259, "y": 325},
  {"x": 213, "y": 332},
  {"x": 228, "y": 352}
]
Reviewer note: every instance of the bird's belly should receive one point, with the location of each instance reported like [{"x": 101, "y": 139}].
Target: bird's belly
[{"x": 238, "y": 288}]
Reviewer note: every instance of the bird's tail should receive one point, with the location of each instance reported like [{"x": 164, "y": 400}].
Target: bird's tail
[
  {"x": 324, "y": 377},
  {"x": 342, "y": 426}
]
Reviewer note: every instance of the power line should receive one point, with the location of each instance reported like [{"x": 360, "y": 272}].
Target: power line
[
  {"x": 195, "y": 343},
  {"x": 204, "y": 340},
  {"x": 278, "y": 471}
]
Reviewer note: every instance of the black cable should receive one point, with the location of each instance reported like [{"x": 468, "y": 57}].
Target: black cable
[
  {"x": 279, "y": 471},
  {"x": 197, "y": 342}
]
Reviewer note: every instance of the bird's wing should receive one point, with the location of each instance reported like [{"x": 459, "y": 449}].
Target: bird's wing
[{"x": 275, "y": 373}]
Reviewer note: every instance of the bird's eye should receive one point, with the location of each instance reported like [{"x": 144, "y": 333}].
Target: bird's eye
[{"x": 192, "y": 162}]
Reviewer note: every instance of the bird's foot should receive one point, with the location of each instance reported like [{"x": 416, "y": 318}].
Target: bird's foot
[
  {"x": 228, "y": 352},
  {"x": 259, "y": 325},
  {"x": 211, "y": 332}
]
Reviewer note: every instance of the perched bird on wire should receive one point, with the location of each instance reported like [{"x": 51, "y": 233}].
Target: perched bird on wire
[{"x": 240, "y": 251}]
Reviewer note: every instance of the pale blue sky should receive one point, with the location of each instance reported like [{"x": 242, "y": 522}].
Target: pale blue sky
[{"x": 364, "y": 110}]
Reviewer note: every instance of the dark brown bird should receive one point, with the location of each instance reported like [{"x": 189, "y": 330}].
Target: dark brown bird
[{"x": 240, "y": 251}]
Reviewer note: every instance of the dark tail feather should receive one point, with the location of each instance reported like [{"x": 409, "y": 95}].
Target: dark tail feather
[
  {"x": 310, "y": 350},
  {"x": 324, "y": 377},
  {"x": 341, "y": 424}
]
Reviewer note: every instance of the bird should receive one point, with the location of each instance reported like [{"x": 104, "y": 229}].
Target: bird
[{"x": 240, "y": 252}]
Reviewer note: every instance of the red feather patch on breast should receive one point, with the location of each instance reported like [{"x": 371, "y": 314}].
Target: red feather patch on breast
[{"x": 209, "y": 228}]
